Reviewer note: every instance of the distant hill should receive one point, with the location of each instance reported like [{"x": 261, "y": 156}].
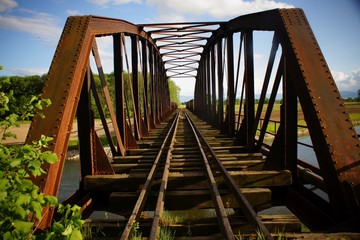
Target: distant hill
[
  {"x": 348, "y": 94},
  {"x": 344, "y": 95}
]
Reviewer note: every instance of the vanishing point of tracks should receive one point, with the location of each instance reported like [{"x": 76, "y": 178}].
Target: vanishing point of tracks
[{"x": 188, "y": 181}]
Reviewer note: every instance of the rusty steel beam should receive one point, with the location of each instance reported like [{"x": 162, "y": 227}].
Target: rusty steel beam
[
  {"x": 68, "y": 87},
  {"x": 119, "y": 86},
  {"x": 305, "y": 78},
  {"x": 333, "y": 135},
  {"x": 108, "y": 100}
]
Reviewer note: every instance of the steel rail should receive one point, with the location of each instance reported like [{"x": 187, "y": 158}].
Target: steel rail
[
  {"x": 147, "y": 185},
  {"x": 246, "y": 207},
  {"x": 219, "y": 205},
  {"x": 161, "y": 195}
]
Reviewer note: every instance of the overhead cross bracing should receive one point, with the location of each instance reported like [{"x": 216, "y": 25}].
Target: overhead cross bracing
[{"x": 181, "y": 45}]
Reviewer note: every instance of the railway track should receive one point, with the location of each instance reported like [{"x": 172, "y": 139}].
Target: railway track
[{"x": 188, "y": 181}]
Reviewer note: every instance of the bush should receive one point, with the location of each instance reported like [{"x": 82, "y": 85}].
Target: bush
[{"x": 21, "y": 202}]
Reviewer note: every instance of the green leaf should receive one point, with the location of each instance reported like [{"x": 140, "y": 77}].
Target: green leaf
[
  {"x": 51, "y": 200},
  {"x": 3, "y": 195},
  {"x": 46, "y": 102},
  {"x": 48, "y": 157},
  {"x": 58, "y": 227},
  {"x": 37, "y": 209},
  {"x": 76, "y": 235},
  {"x": 68, "y": 230},
  {"x": 27, "y": 184},
  {"x": 22, "y": 226},
  {"x": 36, "y": 164},
  {"x": 23, "y": 199},
  {"x": 15, "y": 162},
  {"x": 44, "y": 140},
  {"x": 3, "y": 183},
  {"x": 20, "y": 211}
]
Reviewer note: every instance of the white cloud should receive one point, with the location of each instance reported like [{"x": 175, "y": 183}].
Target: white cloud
[
  {"x": 28, "y": 71},
  {"x": 7, "y": 5},
  {"x": 215, "y": 8},
  {"x": 171, "y": 17},
  {"x": 40, "y": 25},
  {"x": 73, "y": 12},
  {"x": 347, "y": 82},
  {"x": 107, "y": 3}
]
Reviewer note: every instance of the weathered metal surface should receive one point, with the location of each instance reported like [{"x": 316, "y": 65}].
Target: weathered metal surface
[
  {"x": 306, "y": 79},
  {"x": 65, "y": 80},
  {"x": 333, "y": 135}
]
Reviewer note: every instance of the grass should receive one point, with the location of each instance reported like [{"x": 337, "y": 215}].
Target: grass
[
  {"x": 166, "y": 234},
  {"x": 74, "y": 143},
  {"x": 135, "y": 234},
  {"x": 167, "y": 218}
]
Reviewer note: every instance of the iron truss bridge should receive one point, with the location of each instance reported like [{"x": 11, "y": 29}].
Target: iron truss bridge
[{"x": 233, "y": 157}]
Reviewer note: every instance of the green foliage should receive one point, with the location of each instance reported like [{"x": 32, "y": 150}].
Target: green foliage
[
  {"x": 21, "y": 202},
  {"x": 174, "y": 92},
  {"x": 19, "y": 91},
  {"x": 69, "y": 227}
]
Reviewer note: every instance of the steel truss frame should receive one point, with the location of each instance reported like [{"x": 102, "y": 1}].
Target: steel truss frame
[
  {"x": 70, "y": 85},
  {"x": 205, "y": 51},
  {"x": 303, "y": 77}
]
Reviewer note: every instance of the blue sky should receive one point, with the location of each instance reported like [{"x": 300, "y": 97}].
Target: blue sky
[{"x": 30, "y": 29}]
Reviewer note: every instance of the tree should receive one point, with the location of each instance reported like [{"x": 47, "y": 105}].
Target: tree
[{"x": 174, "y": 92}]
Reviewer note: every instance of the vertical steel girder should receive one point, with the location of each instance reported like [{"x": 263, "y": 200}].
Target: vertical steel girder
[
  {"x": 70, "y": 85},
  {"x": 306, "y": 79}
]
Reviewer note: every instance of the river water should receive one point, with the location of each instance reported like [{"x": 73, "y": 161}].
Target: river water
[{"x": 71, "y": 173}]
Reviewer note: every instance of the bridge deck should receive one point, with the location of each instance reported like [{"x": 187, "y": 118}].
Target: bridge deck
[{"x": 188, "y": 201}]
